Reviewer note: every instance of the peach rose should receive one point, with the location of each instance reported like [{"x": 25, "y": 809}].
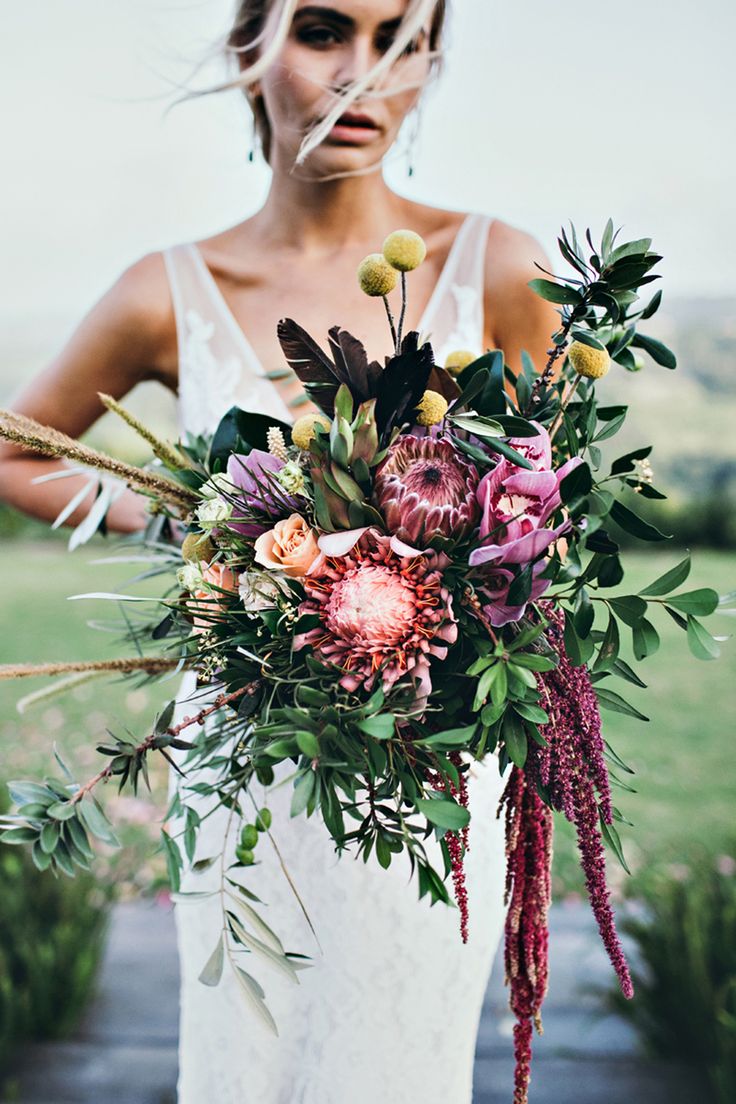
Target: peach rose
[
  {"x": 290, "y": 546},
  {"x": 206, "y": 598}
]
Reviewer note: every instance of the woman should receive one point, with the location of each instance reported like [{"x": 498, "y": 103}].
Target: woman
[{"x": 389, "y": 1008}]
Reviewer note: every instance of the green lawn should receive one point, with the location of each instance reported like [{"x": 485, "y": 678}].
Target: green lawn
[{"x": 683, "y": 758}]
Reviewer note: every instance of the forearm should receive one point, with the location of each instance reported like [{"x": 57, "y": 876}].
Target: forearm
[{"x": 46, "y": 500}]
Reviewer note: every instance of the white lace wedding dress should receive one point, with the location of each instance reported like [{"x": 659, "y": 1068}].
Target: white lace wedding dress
[{"x": 388, "y": 1011}]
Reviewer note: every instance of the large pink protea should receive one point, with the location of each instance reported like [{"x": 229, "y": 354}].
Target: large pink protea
[
  {"x": 383, "y": 613},
  {"x": 425, "y": 488},
  {"x": 527, "y": 895}
]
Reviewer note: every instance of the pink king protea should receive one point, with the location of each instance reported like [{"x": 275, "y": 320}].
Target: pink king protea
[
  {"x": 425, "y": 488},
  {"x": 383, "y": 610}
]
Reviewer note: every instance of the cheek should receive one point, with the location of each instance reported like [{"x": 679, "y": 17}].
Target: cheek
[
  {"x": 409, "y": 82},
  {"x": 293, "y": 86}
]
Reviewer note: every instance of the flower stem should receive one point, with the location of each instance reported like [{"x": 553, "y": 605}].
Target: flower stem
[
  {"x": 390, "y": 322},
  {"x": 402, "y": 316}
]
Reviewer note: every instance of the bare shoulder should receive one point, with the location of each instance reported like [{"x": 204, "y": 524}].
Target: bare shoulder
[
  {"x": 138, "y": 309},
  {"x": 515, "y": 316}
]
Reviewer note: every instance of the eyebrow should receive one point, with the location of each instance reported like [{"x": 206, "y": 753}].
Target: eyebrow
[{"x": 340, "y": 17}]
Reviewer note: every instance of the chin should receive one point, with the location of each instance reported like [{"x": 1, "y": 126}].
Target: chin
[{"x": 335, "y": 157}]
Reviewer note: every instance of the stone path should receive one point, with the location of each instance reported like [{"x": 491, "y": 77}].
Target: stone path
[{"x": 126, "y": 1048}]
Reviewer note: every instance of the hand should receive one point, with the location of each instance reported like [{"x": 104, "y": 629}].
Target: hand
[{"x": 128, "y": 514}]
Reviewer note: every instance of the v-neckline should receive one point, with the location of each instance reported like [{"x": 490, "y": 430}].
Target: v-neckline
[{"x": 240, "y": 335}]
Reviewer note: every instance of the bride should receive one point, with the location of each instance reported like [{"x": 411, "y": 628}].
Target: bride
[{"x": 389, "y": 1006}]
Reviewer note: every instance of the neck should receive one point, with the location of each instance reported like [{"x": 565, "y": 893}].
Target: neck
[{"x": 318, "y": 217}]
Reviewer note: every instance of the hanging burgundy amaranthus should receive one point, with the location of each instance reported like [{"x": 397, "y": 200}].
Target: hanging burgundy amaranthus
[
  {"x": 527, "y": 896},
  {"x": 457, "y": 842},
  {"x": 571, "y": 768}
]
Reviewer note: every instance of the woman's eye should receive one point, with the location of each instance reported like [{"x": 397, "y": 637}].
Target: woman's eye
[
  {"x": 318, "y": 35},
  {"x": 411, "y": 47}
]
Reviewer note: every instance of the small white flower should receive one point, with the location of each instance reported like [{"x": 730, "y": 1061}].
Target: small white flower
[
  {"x": 217, "y": 485},
  {"x": 213, "y": 511},
  {"x": 291, "y": 477},
  {"x": 189, "y": 577},
  {"x": 258, "y": 591}
]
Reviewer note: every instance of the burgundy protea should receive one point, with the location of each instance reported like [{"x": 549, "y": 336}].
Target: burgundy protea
[
  {"x": 383, "y": 610},
  {"x": 425, "y": 488}
]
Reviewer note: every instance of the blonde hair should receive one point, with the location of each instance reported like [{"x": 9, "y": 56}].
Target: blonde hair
[{"x": 262, "y": 26}]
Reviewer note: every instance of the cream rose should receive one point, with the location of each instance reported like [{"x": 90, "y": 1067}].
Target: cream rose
[{"x": 290, "y": 546}]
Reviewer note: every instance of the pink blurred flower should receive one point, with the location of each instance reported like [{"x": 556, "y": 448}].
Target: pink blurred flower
[
  {"x": 383, "y": 610},
  {"x": 494, "y": 593}
]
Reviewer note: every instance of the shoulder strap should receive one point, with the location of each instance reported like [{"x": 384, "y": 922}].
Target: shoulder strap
[{"x": 456, "y": 320}]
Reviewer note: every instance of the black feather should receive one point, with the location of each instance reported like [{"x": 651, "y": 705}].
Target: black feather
[
  {"x": 402, "y": 384},
  {"x": 311, "y": 364}
]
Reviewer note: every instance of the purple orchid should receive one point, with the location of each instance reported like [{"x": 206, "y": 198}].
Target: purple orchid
[
  {"x": 257, "y": 490},
  {"x": 494, "y": 593},
  {"x": 516, "y": 504}
]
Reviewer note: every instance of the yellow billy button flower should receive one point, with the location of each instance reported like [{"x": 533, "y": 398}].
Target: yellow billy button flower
[
  {"x": 587, "y": 361},
  {"x": 375, "y": 275},
  {"x": 404, "y": 250},
  {"x": 458, "y": 360},
  {"x": 302, "y": 431},
  {"x": 431, "y": 408}
]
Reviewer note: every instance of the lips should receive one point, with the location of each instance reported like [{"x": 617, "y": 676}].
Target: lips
[{"x": 356, "y": 119}]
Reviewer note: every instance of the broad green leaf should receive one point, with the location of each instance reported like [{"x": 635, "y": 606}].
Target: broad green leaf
[
  {"x": 671, "y": 579},
  {"x": 609, "y": 647},
  {"x": 700, "y": 641},
  {"x": 514, "y": 734},
  {"x": 611, "y": 836},
  {"x": 555, "y": 293},
  {"x": 645, "y": 639},
  {"x": 634, "y": 524},
  {"x": 308, "y": 743},
  {"x": 18, "y": 835},
  {"x": 629, "y": 607},
  {"x": 380, "y": 727},
  {"x": 657, "y": 351},
  {"x": 303, "y": 790},
  {"x": 698, "y": 602},
  {"x": 451, "y": 736},
  {"x": 443, "y": 812},
  {"x": 97, "y": 822}
]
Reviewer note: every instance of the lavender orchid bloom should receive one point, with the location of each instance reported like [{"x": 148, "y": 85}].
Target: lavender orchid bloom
[
  {"x": 254, "y": 477},
  {"x": 517, "y": 503},
  {"x": 494, "y": 593}
]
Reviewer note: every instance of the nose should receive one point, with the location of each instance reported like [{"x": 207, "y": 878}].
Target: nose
[{"x": 356, "y": 59}]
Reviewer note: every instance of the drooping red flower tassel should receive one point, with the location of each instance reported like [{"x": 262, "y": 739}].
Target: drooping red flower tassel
[
  {"x": 527, "y": 895},
  {"x": 457, "y": 842},
  {"x": 571, "y": 769}
]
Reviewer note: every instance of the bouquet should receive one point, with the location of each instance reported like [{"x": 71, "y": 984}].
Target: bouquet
[{"x": 414, "y": 575}]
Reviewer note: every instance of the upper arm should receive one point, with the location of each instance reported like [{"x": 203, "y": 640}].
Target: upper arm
[
  {"x": 123, "y": 339},
  {"x": 516, "y": 317}
]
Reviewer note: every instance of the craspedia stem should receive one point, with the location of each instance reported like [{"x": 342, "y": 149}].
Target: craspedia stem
[{"x": 391, "y": 323}]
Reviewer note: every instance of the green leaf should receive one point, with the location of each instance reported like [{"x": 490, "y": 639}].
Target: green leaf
[
  {"x": 97, "y": 822},
  {"x": 698, "y": 602},
  {"x": 671, "y": 579},
  {"x": 609, "y": 648},
  {"x": 452, "y": 737},
  {"x": 657, "y": 351},
  {"x": 514, "y": 734},
  {"x": 308, "y": 743},
  {"x": 532, "y": 661},
  {"x": 18, "y": 835},
  {"x": 477, "y": 425},
  {"x": 173, "y": 862},
  {"x": 212, "y": 969},
  {"x": 629, "y": 607},
  {"x": 531, "y": 712},
  {"x": 555, "y": 293},
  {"x": 380, "y": 727},
  {"x": 303, "y": 790},
  {"x": 576, "y": 483},
  {"x": 611, "y": 837},
  {"x": 700, "y": 641},
  {"x": 609, "y": 699},
  {"x": 635, "y": 525},
  {"x": 443, "y": 812},
  {"x": 645, "y": 639}
]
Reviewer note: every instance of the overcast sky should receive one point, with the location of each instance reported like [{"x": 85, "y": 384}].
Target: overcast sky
[{"x": 547, "y": 111}]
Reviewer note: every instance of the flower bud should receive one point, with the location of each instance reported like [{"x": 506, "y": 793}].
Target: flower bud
[
  {"x": 587, "y": 361},
  {"x": 431, "y": 408},
  {"x": 458, "y": 360},
  {"x": 197, "y": 547},
  {"x": 375, "y": 275},
  {"x": 404, "y": 250},
  {"x": 214, "y": 511},
  {"x": 302, "y": 431}
]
